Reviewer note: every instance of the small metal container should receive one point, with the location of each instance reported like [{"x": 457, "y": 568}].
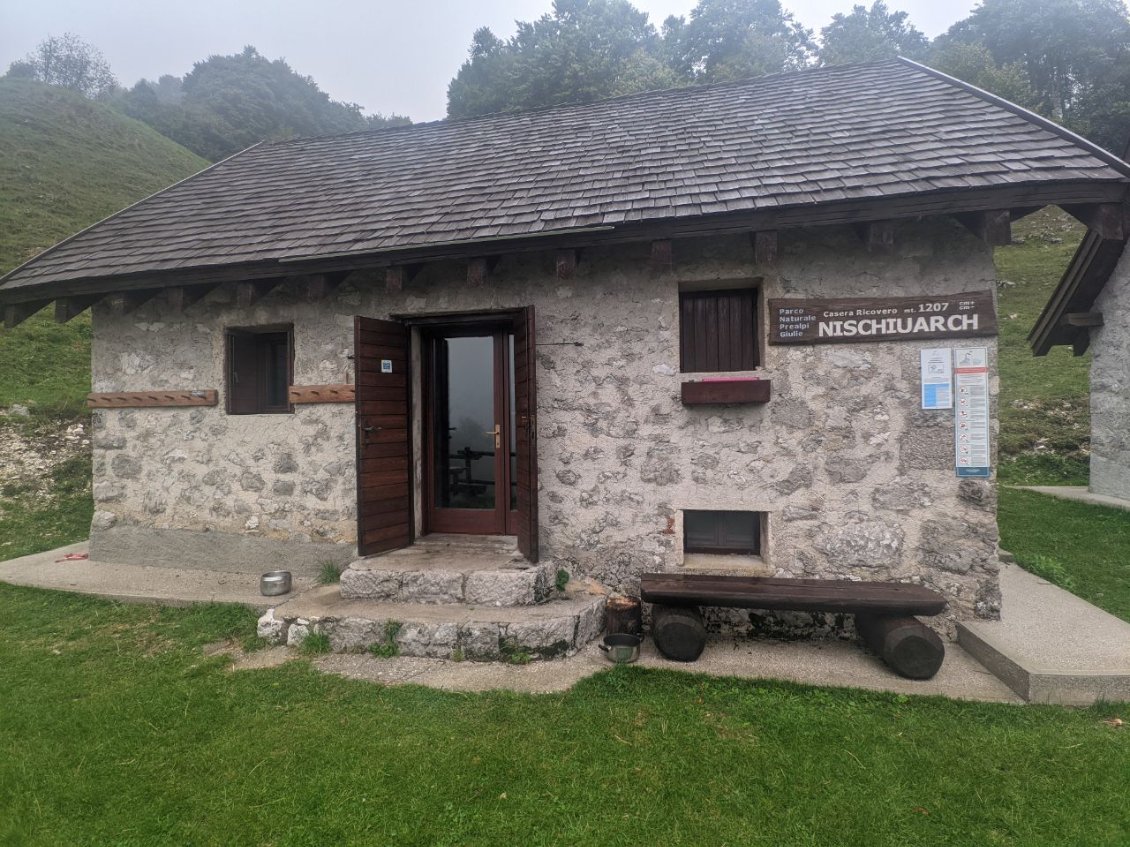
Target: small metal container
[
  {"x": 621, "y": 648},
  {"x": 274, "y": 583}
]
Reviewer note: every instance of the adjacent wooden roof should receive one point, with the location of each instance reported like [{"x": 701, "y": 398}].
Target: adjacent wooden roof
[{"x": 819, "y": 146}]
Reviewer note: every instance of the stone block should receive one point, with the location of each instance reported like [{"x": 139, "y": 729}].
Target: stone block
[
  {"x": 479, "y": 641},
  {"x": 298, "y": 632},
  {"x": 271, "y": 628},
  {"x": 546, "y": 638},
  {"x": 430, "y": 640},
  {"x": 868, "y": 544},
  {"x": 431, "y": 587},
  {"x": 372, "y": 585},
  {"x": 350, "y": 635},
  {"x": 590, "y": 622},
  {"x": 502, "y": 588}
]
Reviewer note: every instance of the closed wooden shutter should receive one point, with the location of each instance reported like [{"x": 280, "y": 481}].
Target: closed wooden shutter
[
  {"x": 718, "y": 330},
  {"x": 525, "y": 402},
  {"x": 384, "y": 443}
]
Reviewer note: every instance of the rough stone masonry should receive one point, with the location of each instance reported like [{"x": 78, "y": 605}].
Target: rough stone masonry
[{"x": 857, "y": 481}]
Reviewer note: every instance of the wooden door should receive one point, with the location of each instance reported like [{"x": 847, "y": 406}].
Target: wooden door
[
  {"x": 525, "y": 408},
  {"x": 384, "y": 443}
]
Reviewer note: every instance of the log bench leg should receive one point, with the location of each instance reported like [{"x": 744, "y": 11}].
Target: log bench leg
[
  {"x": 910, "y": 647},
  {"x": 678, "y": 632}
]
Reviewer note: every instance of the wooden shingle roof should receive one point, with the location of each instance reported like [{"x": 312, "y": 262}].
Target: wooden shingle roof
[{"x": 783, "y": 150}]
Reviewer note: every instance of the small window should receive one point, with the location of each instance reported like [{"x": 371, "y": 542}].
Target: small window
[
  {"x": 260, "y": 370},
  {"x": 722, "y": 532},
  {"x": 718, "y": 330}
]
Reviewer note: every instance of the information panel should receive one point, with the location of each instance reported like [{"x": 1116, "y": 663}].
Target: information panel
[{"x": 971, "y": 412}]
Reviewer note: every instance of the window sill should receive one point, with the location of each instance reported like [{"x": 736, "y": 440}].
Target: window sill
[
  {"x": 735, "y": 564},
  {"x": 718, "y": 391}
]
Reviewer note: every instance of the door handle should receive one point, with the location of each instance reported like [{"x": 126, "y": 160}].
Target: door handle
[{"x": 497, "y": 433}]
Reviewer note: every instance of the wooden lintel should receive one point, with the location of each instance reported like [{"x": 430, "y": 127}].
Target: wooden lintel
[
  {"x": 765, "y": 247},
  {"x": 1082, "y": 319},
  {"x": 477, "y": 271},
  {"x": 878, "y": 236},
  {"x": 1106, "y": 219},
  {"x": 152, "y": 399},
  {"x": 180, "y": 297},
  {"x": 662, "y": 255},
  {"x": 994, "y": 228},
  {"x": 249, "y": 292},
  {"x": 305, "y": 394},
  {"x": 67, "y": 308},
  {"x": 566, "y": 263},
  {"x": 16, "y": 313}
]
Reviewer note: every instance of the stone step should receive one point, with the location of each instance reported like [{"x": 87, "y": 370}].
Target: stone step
[
  {"x": 559, "y": 627},
  {"x": 490, "y": 574}
]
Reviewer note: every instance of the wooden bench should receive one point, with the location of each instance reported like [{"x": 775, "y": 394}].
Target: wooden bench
[{"x": 884, "y": 612}]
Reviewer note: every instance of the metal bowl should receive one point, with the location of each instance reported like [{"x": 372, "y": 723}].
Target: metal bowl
[
  {"x": 274, "y": 583},
  {"x": 621, "y": 648}
]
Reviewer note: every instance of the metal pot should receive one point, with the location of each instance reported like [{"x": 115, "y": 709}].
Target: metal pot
[
  {"x": 273, "y": 583},
  {"x": 621, "y": 648}
]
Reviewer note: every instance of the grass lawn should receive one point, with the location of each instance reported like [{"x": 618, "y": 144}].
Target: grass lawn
[
  {"x": 1084, "y": 548},
  {"x": 116, "y": 730}
]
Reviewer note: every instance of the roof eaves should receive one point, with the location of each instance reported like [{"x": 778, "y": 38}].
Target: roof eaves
[{"x": 6, "y": 277}]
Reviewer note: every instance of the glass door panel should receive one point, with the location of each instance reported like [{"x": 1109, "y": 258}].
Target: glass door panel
[{"x": 464, "y": 463}]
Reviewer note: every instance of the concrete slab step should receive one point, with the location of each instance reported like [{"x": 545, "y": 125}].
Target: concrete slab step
[
  {"x": 559, "y": 627},
  {"x": 1051, "y": 646},
  {"x": 486, "y": 571}
]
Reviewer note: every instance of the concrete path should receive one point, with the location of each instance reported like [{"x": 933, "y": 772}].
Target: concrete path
[
  {"x": 138, "y": 584},
  {"x": 1078, "y": 493},
  {"x": 1050, "y": 646}
]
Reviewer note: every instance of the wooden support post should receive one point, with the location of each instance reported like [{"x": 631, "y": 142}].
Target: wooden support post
[
  {"x": 994, "y": 228},
  {"x": 1082, "y": 319},
  {"x": 906, "y": 644},
  {"x": 878, "y": 236},
  {"x": 1106, "y": 219},
  {"x": 662, "y": 255},
  {"x": 16, "y": 313},
  {"x": 765, "y": 248},
  {"x": 180, "y": 297},
  {"x": 250, "y": 292},
  {"x": 320, "y": 286},
  {"x": 394, "y": 279},
  {"x": 67, "y": 308},
  {"x": 477, "y": 272},
  {"x": 566, "y": 263},
  {"x": 124, "y": 302}
]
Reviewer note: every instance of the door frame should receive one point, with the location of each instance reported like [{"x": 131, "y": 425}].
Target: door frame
[{"x": 503, "y": 520}]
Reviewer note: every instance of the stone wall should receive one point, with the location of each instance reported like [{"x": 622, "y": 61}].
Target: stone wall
[
  {"x": 856, "y": 480},
  {"x": 1110, "y": 387}
]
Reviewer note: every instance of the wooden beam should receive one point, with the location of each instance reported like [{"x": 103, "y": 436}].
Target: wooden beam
[
  {"x": 994, "y": 228},
  {"x": 320, "y": 286},
  {"x": 180, "y": 297},
  {"x": 477, "y": 272},
  {"x": 151, "y": 399},
  {"x": 123, "y": 302},
  {"x": 1082, "y": 319},
  {"x": 566, "y": 263},
  {"x": 67, "y": 308},
  {"x": 16, "y": 313},
  {"x": 305, "y": 394},
  {"x": 1106, "y": 219},
  {"x": 662, "y": 255},
  {"x": 765, "y": 248},
  {"x": 395, "y": 279},
  {"x": 878, "y": 236},
  {"x": 249, "y": 292}
]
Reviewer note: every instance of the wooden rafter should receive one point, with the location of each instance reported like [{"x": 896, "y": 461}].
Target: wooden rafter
[
  {"x": 180, "y": 297},
  {"x": 68, "y": 308},
  {"x": 765, "y": 247},
  {"x": 994, "y": 227},
  {"x": 123, "y": 302},
  {"x": 1107, "y": 220},
  {"x": 249, "y": 292},
  {"x": 16, "y": 313},
  {"x": 566, "y": 263},
  {"x": 662, "y": 255},
  {"x": 878, "y": 236}
]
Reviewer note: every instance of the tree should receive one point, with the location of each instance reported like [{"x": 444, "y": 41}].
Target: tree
[
  {"x": 1066, "y": 47},
  {"x": 866, "y": 35},
  {"x": 581, "y": 51},
  {"x": 735, "y": 39},
  {"x": 226, "y": 103},
  {"x": 973, "y": 63},
  {"x": 69, "y": 62}
]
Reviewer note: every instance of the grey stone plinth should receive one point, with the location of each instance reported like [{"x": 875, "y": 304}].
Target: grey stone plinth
[{"x": 559, "y": 627}]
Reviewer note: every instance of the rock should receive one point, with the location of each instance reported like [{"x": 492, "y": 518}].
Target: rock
[
  {"x": 868, "y": 544},
  {"x": 18, "y": 410},
  {"x": 431, "y": 587},
  {"x": 479, "y": 641},
  {"x": 354, "y": 634},
  {"x": 283, "y": 487},
  {"x": 103, "y": 520},
  {"x": 107, "y": 491},
  {"x": 659, "y": 467},
  {"x": 437, "y": 641},
  {"x": 297, "y": 633},
  {"x": 977, "y": 492},
  {"x": 841, "y": 469},
  {"x": 545, "y": 638},
  {"x": 505, "y": 588},
  {"x": 251, "y": 482},
  {"x": 271, "y": 629},
  {"x": 568, "y": 477},
  {"x": 799, "y": 477},
  {"x": 901, "y": 496},
  {"x": 126, "y": 467},
  {"x": 285, "y": 464}
]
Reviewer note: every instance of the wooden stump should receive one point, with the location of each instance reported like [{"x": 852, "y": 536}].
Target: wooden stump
[
  {"x": 910, "y": 647},
  {"x": 678, "y": 632},
  {"x": 623, "y": 614}
]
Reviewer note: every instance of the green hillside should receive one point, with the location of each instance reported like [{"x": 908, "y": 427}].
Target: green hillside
[{"x": 67, "y": 163}]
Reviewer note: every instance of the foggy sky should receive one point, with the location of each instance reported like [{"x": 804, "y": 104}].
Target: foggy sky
[{"x": 386, "y": 55}]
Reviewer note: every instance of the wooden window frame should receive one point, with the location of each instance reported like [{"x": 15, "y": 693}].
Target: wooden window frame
[
  {"x": 260, "y": 405},
  {"x": 721, "y": 547},
  {"x": 693, "y": 358}
]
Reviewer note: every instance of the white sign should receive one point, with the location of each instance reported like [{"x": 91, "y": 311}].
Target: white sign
[
  {"x": 937, "y": 378},
  {"x": 386, "y": 366},
  {"x": 971, "y": 411}
]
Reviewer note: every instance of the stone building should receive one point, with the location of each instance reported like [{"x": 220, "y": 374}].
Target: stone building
[
  {"x": 1090, "y": 310},
  {"x": 636, "y": 335}
]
